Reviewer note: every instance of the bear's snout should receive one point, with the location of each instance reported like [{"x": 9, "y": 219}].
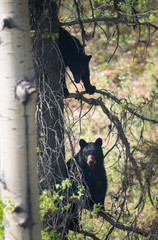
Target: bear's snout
[{"x": 91, "y": 161}]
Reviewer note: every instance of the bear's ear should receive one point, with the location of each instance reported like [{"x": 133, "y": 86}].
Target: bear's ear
[
  {"x": 99, "y": 142},
  {"x": 82, "y": 143}
]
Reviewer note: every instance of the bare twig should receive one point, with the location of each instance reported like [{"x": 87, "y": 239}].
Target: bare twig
[
  {"x": 80, "y": 21},
  {"x": 117, "y": 45}
]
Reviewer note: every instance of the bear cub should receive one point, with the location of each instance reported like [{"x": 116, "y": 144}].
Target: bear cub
[
  {"x": 75, "y": 58},
  {"x": 90, "y": 161}
]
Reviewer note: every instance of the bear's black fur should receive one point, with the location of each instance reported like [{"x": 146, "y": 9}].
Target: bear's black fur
[
  {"x": 90, "y": 161},
  {"x": 75, "y": 58}
]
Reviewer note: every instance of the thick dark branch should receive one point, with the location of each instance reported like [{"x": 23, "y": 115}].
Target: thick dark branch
[
  {"x": 88, "y": 234},
  {"x": 123, "y": 138},
  {"x": 122, "y": 102},
  {"x": 91, "y": 20},
  {"x": 114, "y": 20},
  {"x": 122, "y": 226},
  {"x": 113, "y": 97},
  {"x": 149, "y": 25},
  {"x": 115, "y": 224}
]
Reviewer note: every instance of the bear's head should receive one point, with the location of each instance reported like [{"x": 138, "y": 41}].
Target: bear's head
[{"x": 91, "y": 154}]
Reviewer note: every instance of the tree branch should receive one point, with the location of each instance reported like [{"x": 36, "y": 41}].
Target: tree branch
[
  {"x": 122, "y": 226},
  {"x": 114, "y": 20},
  {"x": 114, "y": 98},
  {"x": 88, "y": 234},
  {"x": 115, "y": 224}
]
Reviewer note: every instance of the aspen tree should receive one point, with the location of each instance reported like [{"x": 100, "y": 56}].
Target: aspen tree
[{"x": 18, "y": 170}]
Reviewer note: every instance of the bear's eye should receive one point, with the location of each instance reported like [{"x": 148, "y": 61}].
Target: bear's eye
[{"x": 89, "y": 153}]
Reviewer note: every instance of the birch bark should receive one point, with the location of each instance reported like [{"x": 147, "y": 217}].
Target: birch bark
[{"x": 18, "y": 171}]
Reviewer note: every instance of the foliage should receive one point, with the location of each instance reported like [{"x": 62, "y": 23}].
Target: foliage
[
  {"x": 49, "y": 201},
  {"x": 47, "y": 35},
  {"x": 1, "y": 219},
  {"x": 48, "y": 234},
  {"x": 8, "y": 206},
  {"x": 57, "y": 201}
]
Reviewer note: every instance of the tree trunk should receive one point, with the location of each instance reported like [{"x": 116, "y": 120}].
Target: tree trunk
[
  {"x": 19, "y": 186},
  {"x": 50, "y": 104}
]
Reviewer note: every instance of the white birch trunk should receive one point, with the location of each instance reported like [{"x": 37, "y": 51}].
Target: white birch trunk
[{"x": 18, "y": 171}]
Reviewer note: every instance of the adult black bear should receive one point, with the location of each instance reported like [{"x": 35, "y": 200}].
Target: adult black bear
[
  {"x": 90, "y": 160},
  {"x": 75, "y": 58}
]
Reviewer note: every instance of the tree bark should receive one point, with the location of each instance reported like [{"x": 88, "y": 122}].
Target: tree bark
[
  {"x": 50, "y": 105},
  {"x": 18, "y": 177}
]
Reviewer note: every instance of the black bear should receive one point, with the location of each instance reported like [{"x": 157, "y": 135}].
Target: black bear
[
  {"x": 90, "y": 160},
  {"x": 75, "y": 58}
]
